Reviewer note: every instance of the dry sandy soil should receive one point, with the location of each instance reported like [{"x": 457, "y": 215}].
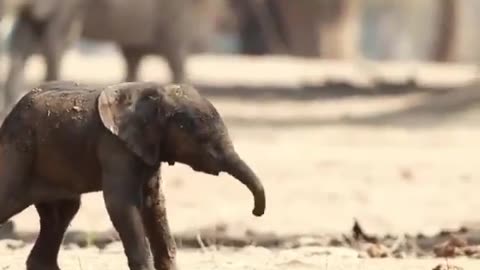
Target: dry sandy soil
[
  {"x": 323, "y": 161},
  {"x": 247, "y": 258}
]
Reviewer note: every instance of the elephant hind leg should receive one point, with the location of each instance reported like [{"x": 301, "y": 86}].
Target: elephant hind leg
[
  {"x": 15, "y": 172},
  {"x": 55, "y": 216},
  {"x": 12, "y": 202},
  {"x": 10, "y": 209}
]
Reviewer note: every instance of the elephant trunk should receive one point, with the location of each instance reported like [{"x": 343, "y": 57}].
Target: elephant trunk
[{"x": 237, "y": 168}]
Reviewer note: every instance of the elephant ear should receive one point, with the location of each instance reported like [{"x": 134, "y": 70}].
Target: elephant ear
[{"x": 130, "y": 111}]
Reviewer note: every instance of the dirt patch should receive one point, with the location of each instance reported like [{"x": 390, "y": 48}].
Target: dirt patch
[{"x": 308, "y": 258}]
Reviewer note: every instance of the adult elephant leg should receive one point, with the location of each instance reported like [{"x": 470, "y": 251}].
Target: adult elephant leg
[
  {"x": 156, "y": 225},
  {"x": 176, "y": 61},
  {"x": 132, "y": 60},
  {"x": 62, "y": 30},
  {"x": 54, "y": 219},
  {"x": 300, "y": 23},
  {"x": 22, "y": 45},
  {"x": 176, "y": 55},
  {"x": 53, "y": 55},
  {"x": 14, "y": 176}
]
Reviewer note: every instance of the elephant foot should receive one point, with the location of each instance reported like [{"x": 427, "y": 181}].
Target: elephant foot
[
  {"x": 168, "y": 266},
  {"x": 36, "y": 264}
]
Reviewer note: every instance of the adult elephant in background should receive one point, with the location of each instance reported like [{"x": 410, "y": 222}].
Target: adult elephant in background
[
  {"x": 138, "y": 27},
  {"x": 258, "y": 27},
  {"x": 307, "y": 28},
  {"x": 320, "y": 28}
]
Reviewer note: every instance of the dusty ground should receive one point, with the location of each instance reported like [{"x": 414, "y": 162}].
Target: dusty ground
[
  {"x": 246, "y": 258},
  {"x": 323, "y": 161}
]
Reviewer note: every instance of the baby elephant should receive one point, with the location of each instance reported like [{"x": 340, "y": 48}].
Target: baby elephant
[{"x": 63, "y": 139}]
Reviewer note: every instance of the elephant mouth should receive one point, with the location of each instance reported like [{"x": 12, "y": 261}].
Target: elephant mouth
[
  {"x": 212, "y": 172},
  {"x": 216, "y": 173},
  {"x": 206, "y": 170}
]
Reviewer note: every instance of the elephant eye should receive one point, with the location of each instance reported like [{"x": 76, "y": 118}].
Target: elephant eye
[{"x": 186, "y": 123}]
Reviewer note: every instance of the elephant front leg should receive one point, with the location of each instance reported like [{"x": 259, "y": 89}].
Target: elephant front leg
[
  {"x": 156, "y": 225},
  {"x": 123, "y": 202}
]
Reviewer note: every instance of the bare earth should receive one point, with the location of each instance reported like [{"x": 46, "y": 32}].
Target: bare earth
[
  {"x": 410, "y": 174},
  {"x": 247, "y": 258}
]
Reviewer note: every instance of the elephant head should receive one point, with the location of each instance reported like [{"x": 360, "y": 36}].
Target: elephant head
[{"x": 174, "y": 123}]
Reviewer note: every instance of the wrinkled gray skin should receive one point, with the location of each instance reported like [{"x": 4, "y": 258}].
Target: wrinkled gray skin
[
  {"x": 49, "y": 27},
  {"x": 62, "y": 140}
]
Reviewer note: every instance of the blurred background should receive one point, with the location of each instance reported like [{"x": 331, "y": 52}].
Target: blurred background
[
  {"x": 430, "y": 30},
  {"x": 346, "y": 109}
]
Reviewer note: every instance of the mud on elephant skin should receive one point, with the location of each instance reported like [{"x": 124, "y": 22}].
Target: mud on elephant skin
[{"x": 63, "y": 139}]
